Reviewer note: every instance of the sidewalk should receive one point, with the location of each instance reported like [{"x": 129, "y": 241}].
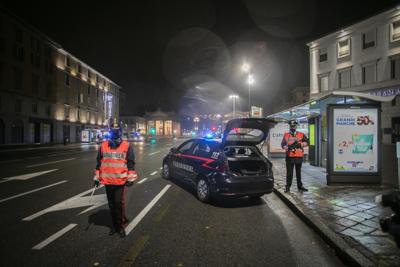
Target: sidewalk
[{"x": 345, "y": 216}]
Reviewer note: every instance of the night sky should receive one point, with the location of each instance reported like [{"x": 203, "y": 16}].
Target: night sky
[{"x": 185, "y": 56}]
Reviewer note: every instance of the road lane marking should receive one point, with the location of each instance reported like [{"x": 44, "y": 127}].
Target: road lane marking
[
  {"x": 50, "y": 162},
  {"x": 141, "y": 181},
  {"x": 54, "y": 236},
  {"x": 31, "y": 191},
  {"x": 153, "y": 173},
  {"x": 25, "y": 176},
  {"x": 73, "y": 202},
  {"x": 143, "y": 213},
  {"x": 153, "y": 153},
  {"x": 133, "y": 252},
  {"x": 160, "y": 168}
]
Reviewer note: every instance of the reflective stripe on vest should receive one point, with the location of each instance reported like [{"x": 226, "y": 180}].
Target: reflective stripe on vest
[
  {"x": 112, "y": 164},
  {"x": 113, "y": 169},
  {"x": 298, "y": 152}
]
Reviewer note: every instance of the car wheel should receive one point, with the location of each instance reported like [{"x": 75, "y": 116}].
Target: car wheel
[
  {"x": 203, "y": 190},
  {"x": 166, "y": 171}
]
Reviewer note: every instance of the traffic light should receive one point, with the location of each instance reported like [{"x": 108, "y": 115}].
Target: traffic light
[
  {"x": 213, "y": 128},
  {"x": 152, "y": 131}
]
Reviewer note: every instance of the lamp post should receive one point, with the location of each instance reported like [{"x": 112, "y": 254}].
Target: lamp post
[
  {"x": 250, "y": 81},
  {"x": 234, "y": 97}
]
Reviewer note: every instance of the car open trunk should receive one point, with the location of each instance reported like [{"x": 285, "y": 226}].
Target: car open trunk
[
  {"x": 243, "y": 167},
  {"x": 246, "y": 161}
]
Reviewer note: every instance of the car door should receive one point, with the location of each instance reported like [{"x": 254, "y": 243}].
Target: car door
[{"x": 179, "y": 160}]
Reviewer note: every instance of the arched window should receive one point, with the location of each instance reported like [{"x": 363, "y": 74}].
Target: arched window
[{"x": 17, "y": 132}]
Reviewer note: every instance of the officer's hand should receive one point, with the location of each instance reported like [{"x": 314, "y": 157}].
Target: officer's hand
[
  {"x": 96, "y": 182},
  {"x": 129, "y": 183}
]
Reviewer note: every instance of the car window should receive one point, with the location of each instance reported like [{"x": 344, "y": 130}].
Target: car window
[
  {"x": 202, "y": 149},
  {"x": 185, "y": 147}
]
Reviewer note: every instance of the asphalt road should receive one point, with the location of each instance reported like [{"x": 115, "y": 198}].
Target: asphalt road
[{"x": 48, "y": 218}]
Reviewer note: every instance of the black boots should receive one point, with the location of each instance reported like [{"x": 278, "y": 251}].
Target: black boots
[{"x": 302, "y": 188}]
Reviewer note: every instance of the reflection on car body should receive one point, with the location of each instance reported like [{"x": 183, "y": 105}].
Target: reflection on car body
[{"x": 233, "y": 166}]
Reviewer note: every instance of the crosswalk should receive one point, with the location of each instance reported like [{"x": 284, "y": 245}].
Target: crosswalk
[{"x": 84, "y": 200}]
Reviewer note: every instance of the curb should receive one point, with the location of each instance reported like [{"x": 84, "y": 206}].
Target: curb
[{"x": 344, "y": 251}]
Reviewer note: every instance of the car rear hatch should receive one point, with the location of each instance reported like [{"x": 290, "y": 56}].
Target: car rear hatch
[{"x": 246, "y": 131}]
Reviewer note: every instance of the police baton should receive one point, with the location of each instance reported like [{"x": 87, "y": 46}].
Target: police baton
[{"x": 91, "y": 195}]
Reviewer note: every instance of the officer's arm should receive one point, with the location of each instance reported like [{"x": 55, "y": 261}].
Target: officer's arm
[
  {"x": 284, "y": 143},
  {"x": 99, "y": 158},
  {"x": 130, "y": 158},
  {"x": 304, "y": 141}
]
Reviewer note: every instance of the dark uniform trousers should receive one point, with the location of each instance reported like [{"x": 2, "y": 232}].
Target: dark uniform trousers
[
  {"x": 116, "y": 202},
  {"x": 290, "y": 163}
]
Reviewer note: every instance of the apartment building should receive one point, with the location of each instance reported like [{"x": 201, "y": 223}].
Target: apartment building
[
  {"x": 47, "y": 95},
  {"x": 364, "y": 57}
]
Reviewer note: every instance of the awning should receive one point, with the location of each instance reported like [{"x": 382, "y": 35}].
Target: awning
[{"x": 315, "y": 106}]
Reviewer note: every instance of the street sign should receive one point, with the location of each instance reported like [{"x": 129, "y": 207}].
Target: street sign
[{"x": 256, "y": 112}]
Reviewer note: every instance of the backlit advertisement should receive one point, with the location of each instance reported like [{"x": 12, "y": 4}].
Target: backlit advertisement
[{"x": 355, "y": 140}]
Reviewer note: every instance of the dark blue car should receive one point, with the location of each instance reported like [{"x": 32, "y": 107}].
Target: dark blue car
[{"x": 233, "y": 167}]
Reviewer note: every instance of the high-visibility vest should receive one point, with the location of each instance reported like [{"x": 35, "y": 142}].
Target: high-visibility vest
[
  {"x": 290, "y": 139},
  {"x": 113, "y": 168}
]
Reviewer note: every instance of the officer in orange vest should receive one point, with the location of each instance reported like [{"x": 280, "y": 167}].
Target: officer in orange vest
[
  {"x": 293, "y": 143},
  {"x": 116, "y": 169}
]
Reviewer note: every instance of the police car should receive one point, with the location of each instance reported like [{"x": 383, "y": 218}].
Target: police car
[{"x": 233, "y": 167}]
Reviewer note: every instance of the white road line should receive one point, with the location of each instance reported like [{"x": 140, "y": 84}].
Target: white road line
[
  {"x": 160, "y": 168},
  {"x": 32, "y": 191},
  {"x": 142, "y": 180},
  {"x": 153, "y": 173},
  {"x": 153, "y": 153},
  {"x": 143, "y": 213},
  {"x": 50, "y": 162},
  {"x": 54, "y": 236},
  {"x": 25, "y": 176},
  {"x": 40, "y": 213}
]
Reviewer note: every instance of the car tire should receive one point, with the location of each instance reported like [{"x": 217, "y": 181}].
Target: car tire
[
  {"x": 166, "y": 171},
  {"x": 203, "y": 190}
]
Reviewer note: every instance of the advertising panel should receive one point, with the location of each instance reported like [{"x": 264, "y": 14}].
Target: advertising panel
[
  {"x": 85, "y": 136},
  {"x": 355, "y": 140},
  {"x": 276, "y": 136},
  {"x": 256, "y": 112}
]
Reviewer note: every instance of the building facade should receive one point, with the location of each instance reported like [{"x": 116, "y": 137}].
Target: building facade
[
  {"x": 47, "y": 95},
  {"x": 133, "y": 124},
  {"x": 161, "y": 123},
  {"x": 365, "y": 58}
]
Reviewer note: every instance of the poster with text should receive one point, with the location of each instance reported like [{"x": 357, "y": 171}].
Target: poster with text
[{"x": 355, "y": 140}]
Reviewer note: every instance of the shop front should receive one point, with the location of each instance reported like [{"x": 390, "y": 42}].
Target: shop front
[{"x": 344, "y": 135}]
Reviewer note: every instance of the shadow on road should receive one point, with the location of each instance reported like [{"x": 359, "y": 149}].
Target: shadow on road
[
  {"x": 221, "y": 202},
  {"x": 101, "y": 218}
]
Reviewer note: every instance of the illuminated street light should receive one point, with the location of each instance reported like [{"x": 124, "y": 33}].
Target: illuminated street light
[
  {"x": 245, "y": 67},
  {"x": 234, "y": 97}
]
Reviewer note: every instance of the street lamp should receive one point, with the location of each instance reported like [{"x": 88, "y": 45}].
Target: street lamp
[
  {"x": 245, "y": 67},
  {"x": 250, "y": 81},
  {"x": 234, "y": 97}
]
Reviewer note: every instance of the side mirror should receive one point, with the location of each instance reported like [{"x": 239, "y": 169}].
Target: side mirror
[{"x": 174, "y": 150}]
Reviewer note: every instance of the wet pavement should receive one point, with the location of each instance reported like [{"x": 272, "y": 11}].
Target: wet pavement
[{"x": 346, "y": 215}]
